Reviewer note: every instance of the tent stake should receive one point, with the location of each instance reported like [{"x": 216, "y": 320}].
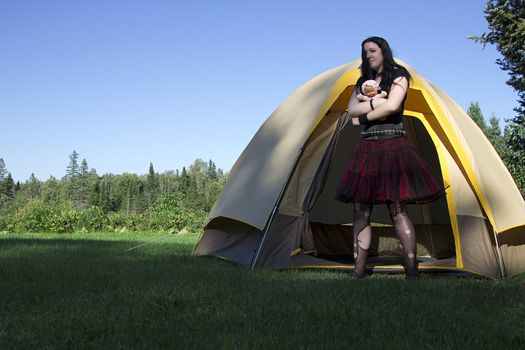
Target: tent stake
[{"x": 272, "y": 215}]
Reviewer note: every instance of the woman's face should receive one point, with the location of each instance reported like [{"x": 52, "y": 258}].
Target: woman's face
[{"x": 374, "y": 55}]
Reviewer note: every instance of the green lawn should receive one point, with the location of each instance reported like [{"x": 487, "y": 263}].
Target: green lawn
[{"x": 81, "y": 291}]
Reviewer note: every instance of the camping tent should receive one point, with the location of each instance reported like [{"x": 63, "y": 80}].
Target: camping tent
[{"x": 277, "y": 209}]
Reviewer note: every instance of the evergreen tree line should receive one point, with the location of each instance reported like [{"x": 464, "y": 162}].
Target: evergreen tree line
[{"x": 84, "y": 201}]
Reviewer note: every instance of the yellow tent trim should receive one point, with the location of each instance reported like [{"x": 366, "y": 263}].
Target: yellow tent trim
[
  {"x": 510, "y": 227},
  {"x": 299, "y": 250},
  {"x": 446, "y": 176},
  {"x": 346, "y": 79},
  {"x": 295, "y": 251},
  {"x": 442, "y": 122}
]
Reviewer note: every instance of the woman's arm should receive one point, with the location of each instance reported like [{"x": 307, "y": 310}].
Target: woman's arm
[
  {"x": 357, "y": 107},
  {"x": 361, "y": 107},
  {"x": 395, "y": 99}
]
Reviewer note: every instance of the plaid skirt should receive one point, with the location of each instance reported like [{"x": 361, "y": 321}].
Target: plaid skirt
[{"x": 381, "y": 170}]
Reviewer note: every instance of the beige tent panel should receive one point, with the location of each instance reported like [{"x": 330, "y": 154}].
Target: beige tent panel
[
  {"x": 512, "y": 244},
  {"x": 507, "y": 207},
  {"x": 477, "y": 158},
  {"x": 307, "y": 165},
  {"x": 477, "y": 252},
  {"x": 260, "y": 172},
  {"x": 468, "y": 223},
  {"x": 230, "y": 240}
]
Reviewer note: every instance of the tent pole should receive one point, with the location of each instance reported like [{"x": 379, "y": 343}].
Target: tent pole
[
  {"x": 272, "y": 215},
  {"x": 500, "y": 256}
]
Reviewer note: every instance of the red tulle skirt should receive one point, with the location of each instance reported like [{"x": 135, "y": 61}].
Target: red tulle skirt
[{"x": 384, "y": 170}]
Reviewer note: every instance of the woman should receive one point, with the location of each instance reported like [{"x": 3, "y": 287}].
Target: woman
[{"x": 384, "y": 167}]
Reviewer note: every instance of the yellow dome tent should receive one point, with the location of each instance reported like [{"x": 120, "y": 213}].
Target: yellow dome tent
[{"x": 277, "y": 209}]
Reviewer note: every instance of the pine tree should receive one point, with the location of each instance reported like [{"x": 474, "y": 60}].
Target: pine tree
[
  {"x": 73, "y": 170},
  {"x": 7, "y": 190},
  {"x": 506, "y": 20},
  {"x": 185, "y": 181},
  {"x": 71, "y": 178},
  {"x": 474, "y": 111},
  {"x": 32, "y": 186},
  {"x": 495, "y": 136},
  {"x": 83, "y": 186},
  {"x": 212, "y": 171},
  {"x": 107, "y": 200},
  {"x": 9, "y": 186},
  {"x": 492, "y": 132},
  {"x": 95, "y": 194},
  {"x": 3, "y": 170},
  {"x": 151, "y": 185}
]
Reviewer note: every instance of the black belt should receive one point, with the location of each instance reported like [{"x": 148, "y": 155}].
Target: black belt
[{"x": 383, "y": 134}]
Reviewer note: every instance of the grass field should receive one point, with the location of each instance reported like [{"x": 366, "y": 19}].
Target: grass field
[{"x": 82, "y": 291}]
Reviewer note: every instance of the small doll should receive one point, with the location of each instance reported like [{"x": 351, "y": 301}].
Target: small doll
[{"x": 371, "y": 90}]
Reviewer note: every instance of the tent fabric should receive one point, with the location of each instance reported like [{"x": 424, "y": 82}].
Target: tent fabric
[
  {"x": 489, "y": 172},
  {"x": 306, "y": 243},
  {"x": 264, "y": 166},
  {"x": 513, "y": 250},
  {"x": 280, "y": 191}
]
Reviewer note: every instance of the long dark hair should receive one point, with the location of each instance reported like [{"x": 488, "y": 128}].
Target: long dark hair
[{"x": 388, "y": 64}]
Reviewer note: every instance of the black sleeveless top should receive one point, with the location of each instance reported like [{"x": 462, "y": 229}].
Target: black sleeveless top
[{"x": 395, "y": 118}]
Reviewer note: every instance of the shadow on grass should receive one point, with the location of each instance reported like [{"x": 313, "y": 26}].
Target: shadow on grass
[{"x": 88, "y": 293}]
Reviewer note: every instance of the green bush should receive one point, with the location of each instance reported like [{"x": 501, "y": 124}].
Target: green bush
[
  {"x": 92, "y": 219},
  {"x": 170, "y": 214},
  {"x": 38, "y": 216},
  {"x": 117, "y": 221}
]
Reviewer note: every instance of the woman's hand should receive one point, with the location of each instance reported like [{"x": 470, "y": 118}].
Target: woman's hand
[
  {"x": 382, "y": 94},
  {"x": 376, "y": 100},
  {"x": 379, "y": 101},
  {"x": 362, "y": 97}
]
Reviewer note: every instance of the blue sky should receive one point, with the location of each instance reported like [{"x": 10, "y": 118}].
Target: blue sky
[{"x": 126, "y": 83}]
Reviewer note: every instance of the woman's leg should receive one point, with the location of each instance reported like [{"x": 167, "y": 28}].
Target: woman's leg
[
  {"x": 406, "y": 235},
  {"x": 362, "y": 233}
]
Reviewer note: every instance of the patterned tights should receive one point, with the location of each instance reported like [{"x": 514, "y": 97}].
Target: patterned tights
[{"x": 404, "y": 228}]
